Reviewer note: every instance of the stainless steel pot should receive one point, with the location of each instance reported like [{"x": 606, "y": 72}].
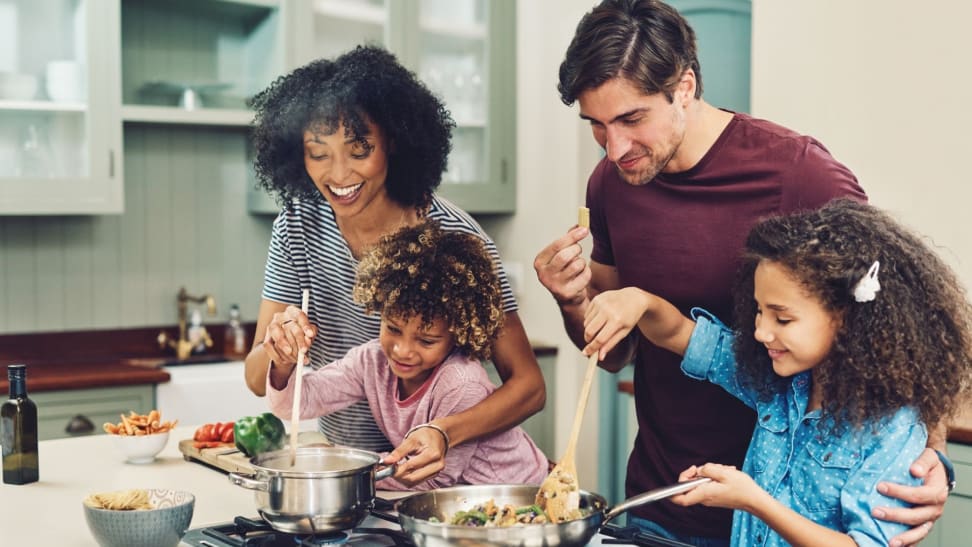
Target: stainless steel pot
[
  {"x": 328, "y": 489},
  {"x": 415, "y": 511}
]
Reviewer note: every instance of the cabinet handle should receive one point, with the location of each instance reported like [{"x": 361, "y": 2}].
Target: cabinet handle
[
  {"x": 111, "y": 164},
  {"x": 79, "y": 425}
]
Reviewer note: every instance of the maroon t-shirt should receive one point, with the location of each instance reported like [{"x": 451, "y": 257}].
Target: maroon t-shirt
[{"x": 680, "y": 237}]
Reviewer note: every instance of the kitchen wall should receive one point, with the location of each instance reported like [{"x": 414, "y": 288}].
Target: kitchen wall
[
  {"x": 185, "y": 224},
  {"x": 883, "y": 86}
]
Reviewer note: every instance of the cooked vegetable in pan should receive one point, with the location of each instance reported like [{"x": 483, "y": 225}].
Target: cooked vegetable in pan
[{"x": 489, "y": 514}]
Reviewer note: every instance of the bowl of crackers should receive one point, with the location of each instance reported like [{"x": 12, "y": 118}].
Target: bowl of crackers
[{"x": 140, "y": 437}]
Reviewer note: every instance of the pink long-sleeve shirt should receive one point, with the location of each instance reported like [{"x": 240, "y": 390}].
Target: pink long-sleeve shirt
[{"x": 508, "y": 457}]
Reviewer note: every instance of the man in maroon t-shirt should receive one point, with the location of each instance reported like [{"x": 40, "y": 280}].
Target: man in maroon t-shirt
[{"x": 680, "y": 185}]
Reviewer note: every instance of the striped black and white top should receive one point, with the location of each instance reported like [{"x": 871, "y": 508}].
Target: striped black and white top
[{"x": 307, "y": 250}]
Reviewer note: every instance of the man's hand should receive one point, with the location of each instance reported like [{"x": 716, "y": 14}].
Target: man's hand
[
  {"x": 928, "y": 500},
  {"x": 562, "y": 270},
  {"x": 420, "y": 456}
]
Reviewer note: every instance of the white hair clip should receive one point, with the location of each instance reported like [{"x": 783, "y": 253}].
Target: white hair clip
[{"x": 867, "y": 288}]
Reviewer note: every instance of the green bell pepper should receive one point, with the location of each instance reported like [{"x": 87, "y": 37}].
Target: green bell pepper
[{"x": 257, "y": 434}]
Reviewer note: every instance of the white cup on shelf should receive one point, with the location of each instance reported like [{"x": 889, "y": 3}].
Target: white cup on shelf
[{"x": 65, "y": 81}]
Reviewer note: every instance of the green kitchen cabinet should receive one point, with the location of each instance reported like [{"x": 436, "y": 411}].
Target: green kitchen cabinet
[
  {"x": 464, "y": 50},
  {"x": 955, "y": 526},
  {"x": 60, "y": 132},
  {"x": 56, "y": 410}
]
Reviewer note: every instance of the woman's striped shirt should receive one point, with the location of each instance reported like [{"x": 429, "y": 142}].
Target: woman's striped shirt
[{"x": 308, "y": 251}]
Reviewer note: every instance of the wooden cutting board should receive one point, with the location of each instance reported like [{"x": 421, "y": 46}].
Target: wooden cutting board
[
  {"x": 231, "y": 460},
  {"x": 226, "y": 458}
]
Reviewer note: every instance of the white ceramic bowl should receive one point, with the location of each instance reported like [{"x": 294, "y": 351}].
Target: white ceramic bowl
[
  {"x": 17, "y": 87},
  {"x": 162, "y": 526},
  {"x": 140, "y": 448}
]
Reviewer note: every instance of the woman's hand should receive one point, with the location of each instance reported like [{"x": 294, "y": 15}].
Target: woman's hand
[
  {"x": 730, "y": 488},
  {"x": 928, "y": 499},
  {"x": 287, "y": 333},
  {"x": 420, "y": 456}
]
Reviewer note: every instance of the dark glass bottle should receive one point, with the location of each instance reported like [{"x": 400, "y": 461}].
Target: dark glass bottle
[{"x": 18, "y": 430}]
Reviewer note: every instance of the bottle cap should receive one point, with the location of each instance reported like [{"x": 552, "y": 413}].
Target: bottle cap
[{"x": 16, "y": 371}]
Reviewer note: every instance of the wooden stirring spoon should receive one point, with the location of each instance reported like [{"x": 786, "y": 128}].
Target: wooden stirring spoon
[
  {"x": 299, "y": 373},
  {"x": 559, "y": 494}
]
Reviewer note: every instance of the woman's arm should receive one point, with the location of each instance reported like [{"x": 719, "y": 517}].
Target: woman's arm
[
  {"x": 278, "y": 338},
  {"x": 522, "y": 394}
]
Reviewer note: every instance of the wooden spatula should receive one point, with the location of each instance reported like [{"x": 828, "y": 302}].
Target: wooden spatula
[
  {"x": 559, "y": 494},
  {"x": 295, "y": 412}
]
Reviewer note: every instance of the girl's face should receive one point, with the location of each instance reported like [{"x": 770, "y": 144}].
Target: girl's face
[
  {"x": 347, "y": 173},
  {"x": 795, "y": 327},
  {"x": 412, "y": 351}
]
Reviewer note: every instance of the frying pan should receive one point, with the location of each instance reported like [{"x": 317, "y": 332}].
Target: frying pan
[{"x": 415, "y": 511}]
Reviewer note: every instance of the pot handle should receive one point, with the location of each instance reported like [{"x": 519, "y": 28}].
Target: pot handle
[
  {"x": 653, "y": 495},
  {"x": 385, "y": 472},
  {"x": 247, "y": 481}
]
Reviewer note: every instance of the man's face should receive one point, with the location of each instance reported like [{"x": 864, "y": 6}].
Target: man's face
[{"x": 639, "y": 133}]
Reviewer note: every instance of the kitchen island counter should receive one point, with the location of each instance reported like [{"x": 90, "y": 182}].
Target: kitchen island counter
[{"x": 49, "y": 512}]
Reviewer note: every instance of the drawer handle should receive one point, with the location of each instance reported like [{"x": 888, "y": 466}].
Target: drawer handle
[{"x": 79, "y": 425}]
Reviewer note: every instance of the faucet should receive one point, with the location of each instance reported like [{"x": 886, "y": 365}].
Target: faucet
[{"x": 183, "y": 346}]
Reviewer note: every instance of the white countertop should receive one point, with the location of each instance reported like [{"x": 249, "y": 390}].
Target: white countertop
[{"x": 49, "y": 512}]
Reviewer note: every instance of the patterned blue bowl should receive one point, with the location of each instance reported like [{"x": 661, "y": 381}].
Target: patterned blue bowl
[{"x": 162, "y": 526}]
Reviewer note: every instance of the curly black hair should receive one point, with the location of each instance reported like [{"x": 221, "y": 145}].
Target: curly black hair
[
  {"x": 910, "y": 346},
  {"x": 437, "y": 274},
  {"x": 364, "y": 84}
]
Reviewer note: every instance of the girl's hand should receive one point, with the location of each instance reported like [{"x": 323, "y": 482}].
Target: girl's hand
[
  {"x": 729, "y": 489},
  {"x": 610, "y": 317},
  {"x": 289, "y": 331}
]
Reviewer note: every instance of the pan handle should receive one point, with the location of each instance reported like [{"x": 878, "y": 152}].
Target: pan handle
[
  {"x": 653, "y": 495},
  {"x": 248, "y": 482}
]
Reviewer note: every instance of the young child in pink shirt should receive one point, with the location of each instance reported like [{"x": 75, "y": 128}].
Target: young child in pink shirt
[{"x": 440, "y": 307}]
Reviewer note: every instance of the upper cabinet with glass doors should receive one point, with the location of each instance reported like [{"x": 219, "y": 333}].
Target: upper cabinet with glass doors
[
  {"x": 60, "y": 134},
  {"x": 464, "y": 50}
]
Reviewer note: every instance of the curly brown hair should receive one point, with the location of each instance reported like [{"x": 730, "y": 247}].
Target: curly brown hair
[
  {"x": 910, "y": 346},
  {"x": 364, "y": 84},
  {"x": 426, "y": 271}
]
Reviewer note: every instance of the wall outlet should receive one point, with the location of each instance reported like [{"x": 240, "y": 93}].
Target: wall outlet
[{"x": 514, "y": 273}]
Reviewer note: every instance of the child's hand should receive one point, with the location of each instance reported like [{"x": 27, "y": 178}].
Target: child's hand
[
  {"x": 730, "y": 488},
  {"x": 610, "y": 317}
]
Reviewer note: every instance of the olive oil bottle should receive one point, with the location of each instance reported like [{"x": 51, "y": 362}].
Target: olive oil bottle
[{"x": 18, "y": 430}]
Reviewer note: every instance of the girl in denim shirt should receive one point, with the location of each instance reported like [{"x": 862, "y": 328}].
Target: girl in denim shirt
[{"x": 862, "y": 337}]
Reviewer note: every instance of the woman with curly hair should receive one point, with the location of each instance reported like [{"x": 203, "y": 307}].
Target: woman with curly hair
[
  {"x": 862, "y": 342},
  {"x": 441, "y": 309},
  {"x": 354, "y": 148}
]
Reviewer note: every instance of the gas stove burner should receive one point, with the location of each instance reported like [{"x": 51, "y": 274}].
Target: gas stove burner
[
  {"x": 256, "y": 532},
  {"x": 336, "y": 538},
  {"x": 632, "y": 535}
]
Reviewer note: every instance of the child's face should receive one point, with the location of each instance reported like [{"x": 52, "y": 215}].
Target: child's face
[
  {"x": 795, "y": 328},
  {"x": 413, "y": 351}
]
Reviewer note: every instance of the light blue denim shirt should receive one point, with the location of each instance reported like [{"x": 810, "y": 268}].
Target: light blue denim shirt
[{"x": 828, "y": 478}]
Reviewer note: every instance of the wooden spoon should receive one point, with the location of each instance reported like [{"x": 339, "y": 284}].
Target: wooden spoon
[
  {"x": 295, "y": 412},
  {"x": 559, "y": 494}
]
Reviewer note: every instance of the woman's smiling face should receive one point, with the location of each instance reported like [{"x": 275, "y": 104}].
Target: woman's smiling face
[{"x": 350, "y": 173}]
